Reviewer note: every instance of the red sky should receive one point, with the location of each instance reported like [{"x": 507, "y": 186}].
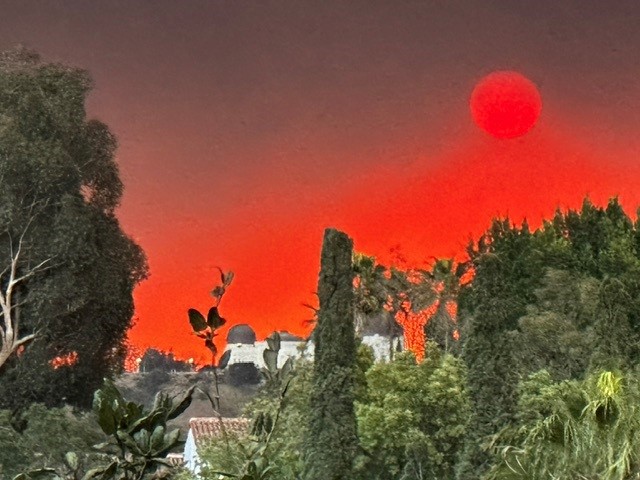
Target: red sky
[{"x": 246, "y": 128}]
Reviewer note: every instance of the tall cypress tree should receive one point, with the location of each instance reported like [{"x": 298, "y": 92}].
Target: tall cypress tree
[{"x": 331, "y": 443}]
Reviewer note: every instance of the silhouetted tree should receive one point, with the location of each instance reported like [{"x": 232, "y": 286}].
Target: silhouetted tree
[{"x": 156, "y": 360}]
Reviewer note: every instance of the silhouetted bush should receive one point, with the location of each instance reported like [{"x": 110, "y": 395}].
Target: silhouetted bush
[
  {"x": 243, "y": 374},
  {"x": 156, "y": 360}
]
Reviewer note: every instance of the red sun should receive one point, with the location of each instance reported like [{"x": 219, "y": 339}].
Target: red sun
[{"x": 505, "y": 104}]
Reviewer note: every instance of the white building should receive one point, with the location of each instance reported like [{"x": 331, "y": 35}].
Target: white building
[
  {"x": 203, "y": 429},
  {"x": 241, "y": 340},
  {"x": 380, "y": 332}
]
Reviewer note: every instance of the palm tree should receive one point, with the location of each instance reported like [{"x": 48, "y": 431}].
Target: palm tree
[{"x": 573, "y": 430}]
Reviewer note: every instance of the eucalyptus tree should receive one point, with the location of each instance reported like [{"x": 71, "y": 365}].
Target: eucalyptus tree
[
  {"x": 54, "y": 158},
  {"x": 12, "y": 339}
]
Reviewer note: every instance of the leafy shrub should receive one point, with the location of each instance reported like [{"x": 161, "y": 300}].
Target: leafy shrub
[
  {"x": 414, "y": 421},
  {"x": 273, "y": 447},
  {"x": 48, "y": 436},
  {"x": 241, "y": 374},
  {"x": 574, "y": 430},
  {"x": 138, "y": 443},
  {"x": 285, "y": 447}
]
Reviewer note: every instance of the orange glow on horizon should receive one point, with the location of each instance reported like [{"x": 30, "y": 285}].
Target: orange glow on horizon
[
  {"x": 431, "y": 209},
  {"x": 405, "y": 125},
  {"x": 132, "y": 358}
]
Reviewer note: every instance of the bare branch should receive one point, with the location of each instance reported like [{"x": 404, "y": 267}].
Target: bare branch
[
  {"x": 4, "y": 271},
  {"x": 25, "y": 339},
  {"x": 37, "y": 269},
  {"x": 10, "y": 246},
  {"x": 9, "y": 331}
]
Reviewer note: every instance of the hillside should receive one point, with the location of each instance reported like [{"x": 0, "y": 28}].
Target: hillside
[{"x": 142, "y": 388}]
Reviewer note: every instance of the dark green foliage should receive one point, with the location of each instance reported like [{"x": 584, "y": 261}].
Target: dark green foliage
[
  {"x": 251, "y": 457},
  {"x": 565, "y": 298},
  {"x": 39, "y": 445},
  {"x": 57, "y": 171},
  {"x": 617, "y": 343},
  {"x": 290, "y": 432},
  {"x": 579, "y": 429},
  {"x": 505, "y": 277},
  {"x": 365, "y": 359},
  {"x": 556, "y": 332},
  {"x": 156, "y": 360},
  {"x": 409, "y": 416},
  {"x": 140, "y": 440},
  {"x": 206, "y": 329},
  {"x": 240, "y": 374},
  {"x": 276, "y": 377},
  {"x": 287, "y": 438},
  {"x": 331, "y": 444}
]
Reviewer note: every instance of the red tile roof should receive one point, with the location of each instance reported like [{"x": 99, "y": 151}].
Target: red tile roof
[
  {"x": 175, "y": 459},
  {"x": 204, "y": 428}
]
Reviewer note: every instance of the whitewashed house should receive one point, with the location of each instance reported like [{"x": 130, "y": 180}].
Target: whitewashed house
[{"x": 202, "y": 430}]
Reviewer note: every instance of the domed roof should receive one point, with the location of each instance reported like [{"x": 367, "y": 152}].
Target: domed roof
[
  {"x": 242, "y": 333},
  {"x": 381, "y": 323},
  {"x": 289, "y": 337}
]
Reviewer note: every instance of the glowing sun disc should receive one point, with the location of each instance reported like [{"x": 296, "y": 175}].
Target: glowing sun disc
[{"x": 505, "y": 104}]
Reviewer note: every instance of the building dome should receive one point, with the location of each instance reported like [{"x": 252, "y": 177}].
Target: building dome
[
  {"x": 383, "y": 324},
  {"x": 242, "y": 333},
  {"x": 289, "y": 337}
]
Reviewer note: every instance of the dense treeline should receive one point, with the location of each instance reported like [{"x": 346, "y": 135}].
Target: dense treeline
[
  {"x": 564, "y": 298},
  {"x": 411, "y": 418},
  {"x": 543, "y": 382},
  {"x": 529, "y": 369}
]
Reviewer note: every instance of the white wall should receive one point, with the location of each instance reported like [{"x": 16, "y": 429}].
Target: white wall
[
  {"x": 243, "y": 353},
  {"x": 191, "y": 458}
]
